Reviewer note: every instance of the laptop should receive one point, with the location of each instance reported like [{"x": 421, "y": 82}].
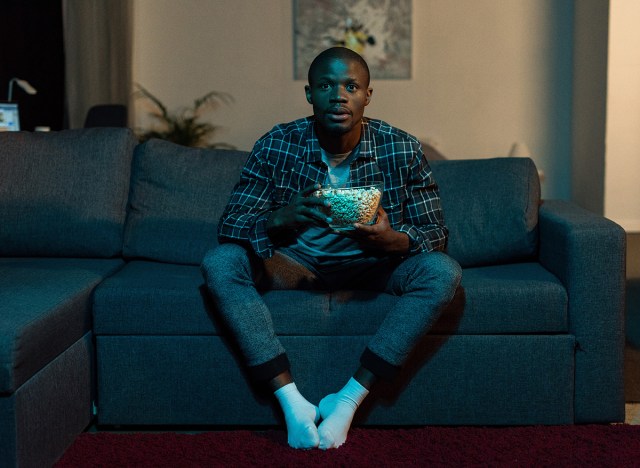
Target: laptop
[{"x": 9, "y": 117}]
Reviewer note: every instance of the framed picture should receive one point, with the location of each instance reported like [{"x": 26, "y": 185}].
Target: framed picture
[{"x": 379, "y": 30}]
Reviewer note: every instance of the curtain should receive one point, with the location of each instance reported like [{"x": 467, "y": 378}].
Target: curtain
[{"x": 97, "y": 42}]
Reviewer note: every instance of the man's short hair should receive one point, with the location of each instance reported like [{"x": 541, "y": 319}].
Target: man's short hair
[{"x": 341, "y": 53}]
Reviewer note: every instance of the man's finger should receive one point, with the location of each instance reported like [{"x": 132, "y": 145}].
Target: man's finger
[{"x": 305, "y": 192}]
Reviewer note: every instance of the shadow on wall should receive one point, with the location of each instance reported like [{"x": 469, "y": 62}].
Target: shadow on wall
[
  {"x": 560, "y": 80},
  {"x": 632, "y": 349},
  {"x": 632, "y": 320}
]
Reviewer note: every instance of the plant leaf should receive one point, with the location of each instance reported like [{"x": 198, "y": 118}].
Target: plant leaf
[
  {"x": 145, "y": 93},
  {"x": 183, "y": 126}
]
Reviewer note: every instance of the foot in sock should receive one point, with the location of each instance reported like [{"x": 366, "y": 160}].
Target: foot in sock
[
  {"x": 301, "y": 417},
  {"x": 337, "y": 411}
]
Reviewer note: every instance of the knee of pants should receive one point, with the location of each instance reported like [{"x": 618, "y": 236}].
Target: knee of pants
[
  {"x": 440, "y": 267},
  {"x": 448, "y": 268},
  {"x": 224, "y": 260}
]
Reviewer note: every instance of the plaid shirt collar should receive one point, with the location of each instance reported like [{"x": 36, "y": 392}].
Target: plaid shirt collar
[{"x": 313, "y": 153}]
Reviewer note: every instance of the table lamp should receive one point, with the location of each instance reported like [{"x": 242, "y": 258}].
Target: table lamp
[{"x": 23, "y": 84}]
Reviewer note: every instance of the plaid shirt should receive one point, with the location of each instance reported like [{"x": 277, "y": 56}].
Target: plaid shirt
[{"x": 288, "y": 159}]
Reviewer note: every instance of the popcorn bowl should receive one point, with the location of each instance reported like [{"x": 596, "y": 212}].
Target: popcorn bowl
[{"x": 356, "y": 204}]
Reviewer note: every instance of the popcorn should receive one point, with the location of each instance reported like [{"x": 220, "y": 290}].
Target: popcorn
[{"x": 352, "y": 205}]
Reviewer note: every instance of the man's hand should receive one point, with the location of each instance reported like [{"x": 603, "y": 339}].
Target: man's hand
[
  {"x": 304, "y": 210},
  {"x": 381, "y": 236}
]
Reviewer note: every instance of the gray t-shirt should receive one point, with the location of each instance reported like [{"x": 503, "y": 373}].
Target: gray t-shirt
[{"x": 323, "y": 246}]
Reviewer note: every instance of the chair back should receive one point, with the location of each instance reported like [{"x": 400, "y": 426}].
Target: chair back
[{"x": 107, "y": 115}]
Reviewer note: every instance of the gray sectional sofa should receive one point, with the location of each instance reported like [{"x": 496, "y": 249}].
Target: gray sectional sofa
[{"x": 104, "y": 318}]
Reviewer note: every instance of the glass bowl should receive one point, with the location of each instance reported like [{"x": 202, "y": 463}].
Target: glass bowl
[{"x": 356, "y": 204}]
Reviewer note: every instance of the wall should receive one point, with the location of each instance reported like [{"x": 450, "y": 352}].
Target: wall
[
  {"x": 486, "y": 73},
  {"x": 622, "y": 166}
]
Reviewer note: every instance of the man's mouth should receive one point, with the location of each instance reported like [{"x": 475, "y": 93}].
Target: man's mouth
[{"x": 339, "y": 114}]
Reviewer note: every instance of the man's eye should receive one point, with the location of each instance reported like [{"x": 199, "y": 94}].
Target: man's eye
[
  {"x": 324, "y": 86},
  {"x": 352, "y": 87}
]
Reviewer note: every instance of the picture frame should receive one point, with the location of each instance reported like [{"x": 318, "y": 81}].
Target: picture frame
[{"x": 379, "y": 30}]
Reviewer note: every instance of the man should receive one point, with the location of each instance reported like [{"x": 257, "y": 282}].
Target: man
[{"x": 274, "y": 234}]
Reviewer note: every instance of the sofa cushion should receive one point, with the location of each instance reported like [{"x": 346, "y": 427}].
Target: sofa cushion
[
  {"x": 499, "y": 299},
  {"x": 518, "y": 298},
  {"x": 177, "y": 197},
  {"x": 491, "y": 209},
  {"x": 152, "y": 298},
  {"x": 64, "y": 194},
  {"x": 45, "y": 307}
]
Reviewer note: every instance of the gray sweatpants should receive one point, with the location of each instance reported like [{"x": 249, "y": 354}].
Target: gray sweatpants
[{"x": 425, "y": 284}]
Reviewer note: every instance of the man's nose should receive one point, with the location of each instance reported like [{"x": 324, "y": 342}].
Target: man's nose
[{"x": 340, "y": 95}]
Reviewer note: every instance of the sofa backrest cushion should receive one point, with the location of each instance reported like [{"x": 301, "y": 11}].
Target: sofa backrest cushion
[
  {"x": 177, "y": 196},
  {"x": 491, "y": 209},
  {"x": 64, "y": 194}
]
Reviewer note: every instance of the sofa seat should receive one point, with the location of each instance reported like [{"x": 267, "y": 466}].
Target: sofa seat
[
  {"x": 153, "y": 298},
  {"x": 44, "y": 300},
  {"x": 150, "y": 316}
]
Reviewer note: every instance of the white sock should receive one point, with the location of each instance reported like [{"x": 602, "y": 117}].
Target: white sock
[
  {"x": 337, "y": 412},
  {"x": 301, "y": 417}
]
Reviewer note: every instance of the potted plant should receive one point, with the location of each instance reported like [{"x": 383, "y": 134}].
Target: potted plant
[{"x": 184, "y": 126}]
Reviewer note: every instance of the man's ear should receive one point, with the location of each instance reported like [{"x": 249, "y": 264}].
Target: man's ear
[
  {"x": 307, "y": 91},
  {"x": 368, "y": 98}
]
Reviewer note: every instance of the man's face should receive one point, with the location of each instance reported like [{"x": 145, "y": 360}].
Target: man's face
[{"x": 339, "y": 91}]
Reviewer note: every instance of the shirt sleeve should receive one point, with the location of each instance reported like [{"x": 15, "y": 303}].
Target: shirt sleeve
[
  {"x": 424, "y": 220},
  {"x": 245, "y": 217}
]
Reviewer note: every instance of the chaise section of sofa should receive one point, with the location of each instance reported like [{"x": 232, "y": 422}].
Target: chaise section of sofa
[
  {"x": 522, "y": 343},
  {"x": 62, "y": 209}
]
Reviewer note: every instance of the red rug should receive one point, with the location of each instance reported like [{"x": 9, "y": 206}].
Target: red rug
[{"x": 553, "y": 446}]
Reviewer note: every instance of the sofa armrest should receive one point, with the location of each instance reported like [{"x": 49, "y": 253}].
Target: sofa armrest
[{"x": 587, "y": 253}]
